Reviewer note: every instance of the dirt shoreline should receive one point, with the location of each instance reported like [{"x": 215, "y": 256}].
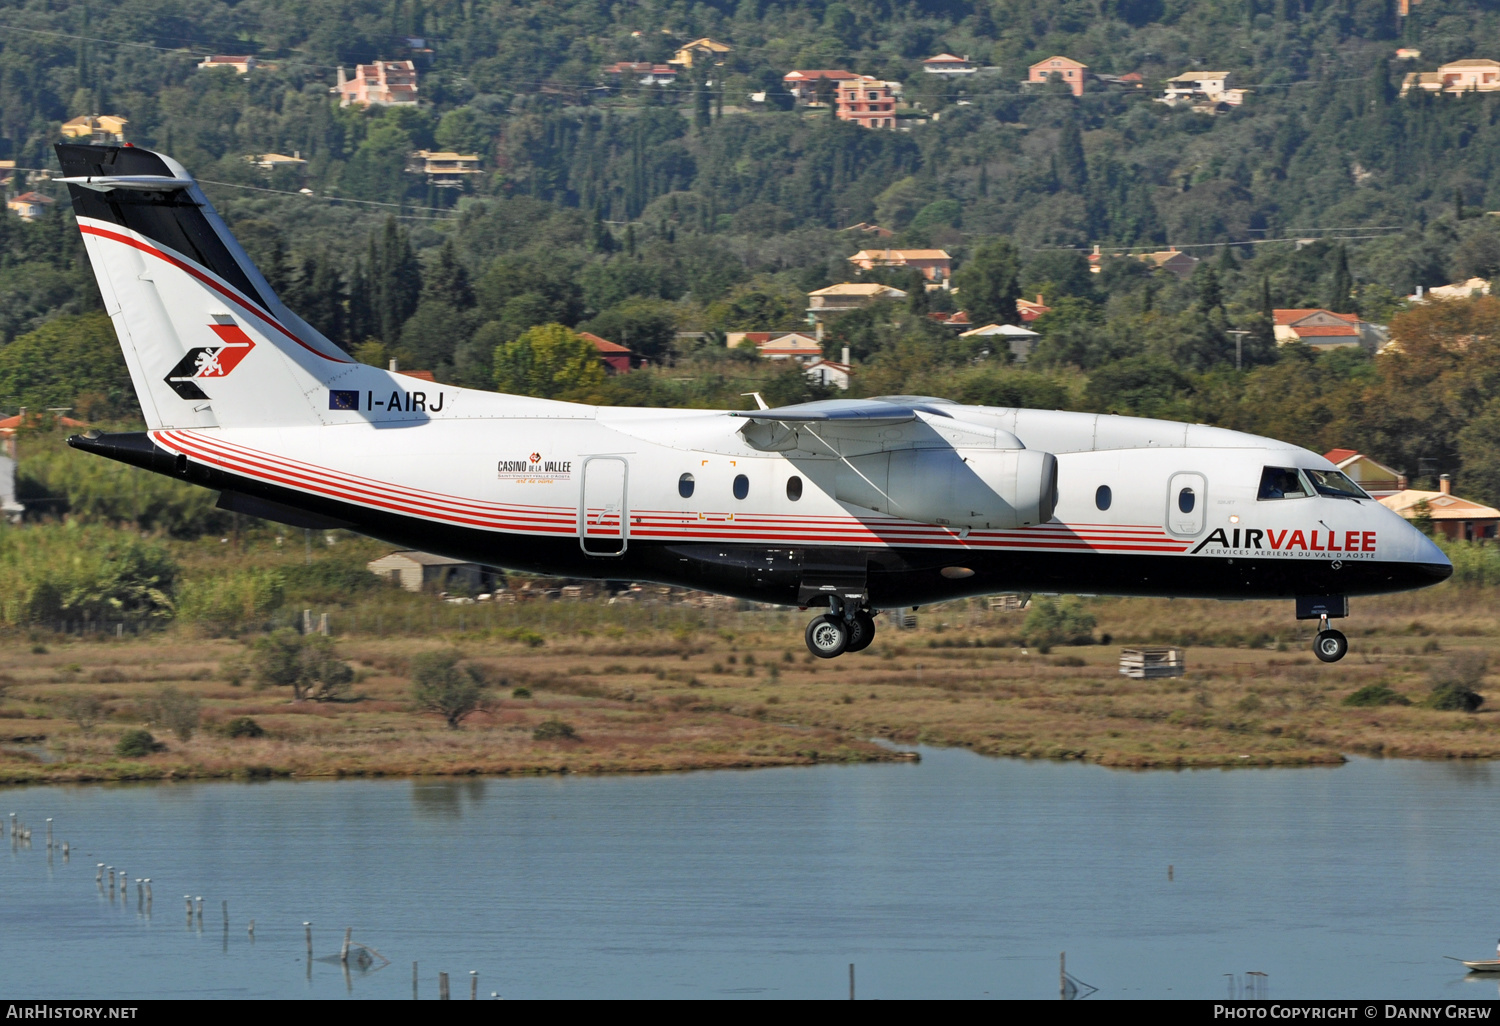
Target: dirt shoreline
[{"x": 749, "y": 697}]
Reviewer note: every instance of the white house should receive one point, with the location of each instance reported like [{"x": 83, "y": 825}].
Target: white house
[
  {"x": 1020, "y": 341},
  {"x": 947, "y": 64},
  {"x": 419, "y": 571}
]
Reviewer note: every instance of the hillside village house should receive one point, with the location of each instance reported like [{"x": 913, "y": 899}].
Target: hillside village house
[
  {"x": 615, "y": 357},
  {"x": 241, "y": 65},
  {"x": 383, "y": 84},
  {"x": 99, "y": 128},
  {"x": 1173, "y": 260},
  {"x": 957, "y": 321},
  {"x": 30, "y": 205},
  {"x": 703, "y": 50},
  {"x": 1030, "y": 311},
  {"x": 934, "y": 264},
  {"x": 777, "y": 345},
  {"x": 1453, "y": 517},
  {"x": 1324, "y": 329},
  {"x": 867, "y": 102},
  {"x": 847, "y": 296},
  {"x": 1369, "y": 473},
  {"x": 803, "y": 85},
  {"x": 444, "y": 168},
  {"x": 273, "y": 161},
  {"x": 422, "y": 571},
  {"x": 1020, "y": 341},
  {"x": 947, "y": 64},
  {"x": 1070, "y": 71},
  {"x": 830, "y": 373},
  {"x": 1476, "y": 75},
  {"x": 1204, "y": 90}
]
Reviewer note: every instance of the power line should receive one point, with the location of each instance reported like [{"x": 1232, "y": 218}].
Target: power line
[{"x": 332, "y": 199}]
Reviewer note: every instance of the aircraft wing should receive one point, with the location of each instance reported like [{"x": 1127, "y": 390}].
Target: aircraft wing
[
  {"x": 895, "y": 410},
  {"x": 846, "y": 427}
]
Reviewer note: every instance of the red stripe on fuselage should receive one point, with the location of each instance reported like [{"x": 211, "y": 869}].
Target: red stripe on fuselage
[{"x": 562, "y": 519}]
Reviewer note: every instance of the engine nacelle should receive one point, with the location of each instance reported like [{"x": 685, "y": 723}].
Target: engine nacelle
[{"x": 984, "y": 488}]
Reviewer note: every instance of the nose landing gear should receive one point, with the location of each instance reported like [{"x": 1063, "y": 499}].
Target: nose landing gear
[
  {"x": 845, "y": 629},
  {"x": 1330, "y": 645}
]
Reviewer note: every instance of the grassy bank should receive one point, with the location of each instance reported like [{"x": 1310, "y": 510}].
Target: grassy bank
[{"x": 648, "y": 689}]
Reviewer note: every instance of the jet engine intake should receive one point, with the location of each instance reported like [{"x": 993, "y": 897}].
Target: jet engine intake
[{"x": 984, "y": 488}]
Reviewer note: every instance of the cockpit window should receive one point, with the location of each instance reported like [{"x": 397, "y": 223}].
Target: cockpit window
[
  {"x": 1282, "y": 483},
  {"x": 1335, "y": 485}
]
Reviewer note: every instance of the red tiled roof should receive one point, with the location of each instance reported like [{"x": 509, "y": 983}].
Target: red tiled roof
[
  {"x": 603, "y": 345},
  {"x": 422, "y": 375},
  {"x": 1326, "y": 331},
  {"x": 1339, "y": 455},
  {"x": 835, "y": 74},
  {"x": 1288, "y": 317}
]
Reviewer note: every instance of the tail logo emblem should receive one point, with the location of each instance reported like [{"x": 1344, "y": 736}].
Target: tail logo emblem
[{"x": 202, "y": 362}]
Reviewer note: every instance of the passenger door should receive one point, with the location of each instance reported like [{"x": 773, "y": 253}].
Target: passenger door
[
  {"x": 1187, "y": 502},
  {"x": 603, "y": 524}
]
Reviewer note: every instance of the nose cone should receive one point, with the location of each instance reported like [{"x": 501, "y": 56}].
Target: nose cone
[{"x": 1430, "y": 561}]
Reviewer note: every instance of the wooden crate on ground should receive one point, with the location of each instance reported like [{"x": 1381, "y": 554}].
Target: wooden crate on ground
[{"x": 1147, "y": 663}]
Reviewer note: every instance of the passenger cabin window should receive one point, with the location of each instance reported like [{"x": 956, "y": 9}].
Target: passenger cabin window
[
  {"x": 741, "y": 486},
  {"x": 1103, "y": 497},
  {"x": 794, "y": 488},
  {"x": 685, "y": 486},
  {"x": 1186, "y": 500},
  {"x": 1335, "y": 485},
  {"x": 1281, "y": 483}
]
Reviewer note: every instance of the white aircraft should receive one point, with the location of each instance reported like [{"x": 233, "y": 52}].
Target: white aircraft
[{"x": 854, "y": 505}]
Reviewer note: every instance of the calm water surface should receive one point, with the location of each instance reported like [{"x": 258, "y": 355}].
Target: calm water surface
[{"x": 958, "y": 877}]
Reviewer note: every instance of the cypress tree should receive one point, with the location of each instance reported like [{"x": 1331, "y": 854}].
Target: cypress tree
[
  {"x": 1341, "y": 289},
  {"x": 1072, "y": 168}
]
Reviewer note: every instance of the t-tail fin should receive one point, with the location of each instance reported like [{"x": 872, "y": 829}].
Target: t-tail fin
[{"x": 206, "y": 340}]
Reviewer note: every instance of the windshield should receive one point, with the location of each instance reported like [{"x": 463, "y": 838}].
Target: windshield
[
  {"x": 1335, "y": 485},
  {"x": 1281, "y": 483}
]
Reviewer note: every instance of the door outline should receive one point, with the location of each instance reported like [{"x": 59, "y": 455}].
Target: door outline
[
  {"x": 624, "y": 511},
  {"x": 1177, "y": 521}
]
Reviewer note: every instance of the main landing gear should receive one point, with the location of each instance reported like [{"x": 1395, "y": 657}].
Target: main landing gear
[
  {"x": 1330, "y": 645},
  {"x": 844, "y": 629}
]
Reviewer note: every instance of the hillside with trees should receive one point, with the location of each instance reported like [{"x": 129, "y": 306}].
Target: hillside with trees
[{"x": 663, "y": 217}]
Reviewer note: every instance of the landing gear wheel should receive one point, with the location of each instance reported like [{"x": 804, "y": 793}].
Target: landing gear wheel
[
  {"x": 1330, "y": 646},
  {"x": 862, "y": 632},
  {"x": 828, "y": 636}
]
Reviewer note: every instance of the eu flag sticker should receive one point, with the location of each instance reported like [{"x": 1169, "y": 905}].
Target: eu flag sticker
[{"x": 343, "y": 399}]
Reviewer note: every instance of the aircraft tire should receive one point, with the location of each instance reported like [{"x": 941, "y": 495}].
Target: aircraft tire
[
  {"x": 863, "y": 632},
  {"x": 827, "y": 636},
  {"x": 1330, "y": 646}
]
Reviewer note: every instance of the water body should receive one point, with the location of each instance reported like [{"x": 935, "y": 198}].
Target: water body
[{"x": 957, "y": 877}]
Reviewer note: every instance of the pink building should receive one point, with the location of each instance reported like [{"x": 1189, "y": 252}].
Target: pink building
[
  {"x": 384, "y": 83},
  {"x": 867, "y": 101},
  {"x": 1070, "y": 71}
]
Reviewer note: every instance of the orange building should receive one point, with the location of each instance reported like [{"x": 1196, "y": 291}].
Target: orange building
[
  {"x": 867, "y": 101},
  {"x": 1070, "y": 71}
]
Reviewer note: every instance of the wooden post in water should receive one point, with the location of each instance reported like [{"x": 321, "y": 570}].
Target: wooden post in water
[
  {"x": 148, "y": 895},
  {"x": 851, "y": 981},
  {"x": 344, "y": 951},
  {"x": 226, "y": 915},
  {"x": 473, "y": 984},
  {"x": 252, "y": 930},
  {"x": 99, "y": 876},
  {"x": 1062, "y": 976},
  {"x": 442, "y": 986},
  {"x": 49, "y": 832},
  {"x": 308, "y": 927},
  {"x": 1169, "y": 874},
  {"x": 414, "y": 981}
]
